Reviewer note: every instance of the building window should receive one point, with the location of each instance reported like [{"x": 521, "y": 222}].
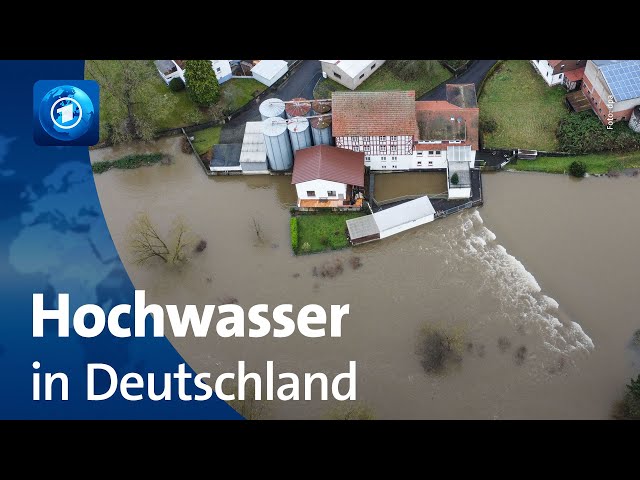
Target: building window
[
  {"x": 394, "y": 138},
  {"x": 331, "y": 193},
  {"x": 419, "y": 163},
  {"x": 354, "y": 139},
  {"x": 355, "y": 148},
  {"x": 383, "y": 149},
  {"x": 367, "y": 159},
  {"x": 373, "y": 66},
  {"x": 419, "y": 154},
  {"x": 394, "y": 148},
  {"x": 560, "y": 76},
  {"x": 394, "y": 166},
  {"x": 311, "y": 193},
  {"x": 367, "y": 148},
  {"x": 437, "y": 152},
  {"x": 384, "y": 166},
  {"x": 361, "y": 76},
  {"x": 382, "y": 139},
  {"x": 547, "y": 74},
  {"x": 394, "y": 159},
  {"x": 218, "y": 70},
  {"x": 430, "y": 152},
  {"x": 366, "y": 139},
  {"x": 383, "y": 159},
  {"x": 336, "y": 75},
  {"x": 430, "y": 163}
]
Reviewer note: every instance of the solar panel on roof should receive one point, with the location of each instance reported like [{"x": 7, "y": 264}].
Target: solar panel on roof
[{"x": 623, "y": 79}]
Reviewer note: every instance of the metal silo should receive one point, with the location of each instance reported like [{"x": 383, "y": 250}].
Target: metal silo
[
  {"x": 320, "y": 107},
  {"x": 278, "y": 144},
  {"x": 272, "y": 107},
  {"x": 321, "y": 130},
  {"x": 298, "y": 107},
  {"x": 300, "y": 133}
]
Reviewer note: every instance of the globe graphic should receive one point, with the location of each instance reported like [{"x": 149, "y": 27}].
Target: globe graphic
[{"x": 66, "y": 112}]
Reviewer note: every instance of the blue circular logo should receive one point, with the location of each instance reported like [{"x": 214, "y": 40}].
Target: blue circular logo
[{"x": 66, "y": 112}]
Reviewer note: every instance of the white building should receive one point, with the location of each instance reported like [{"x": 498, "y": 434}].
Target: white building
[
  {"x": 268, "y": 72},
  {"x": 170, "y": 69},
  {"x": 553, "y": 71},
  {"x": 253, "y": 155},
  {"x": 350, "y": 73},
  {"x": 327, "y": 176}
]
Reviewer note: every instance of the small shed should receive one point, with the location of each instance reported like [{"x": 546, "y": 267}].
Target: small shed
[
  {"x": 269, "y": 71},
  {"x": 253, "y": 155},
  {"x": 226, "y": 158}
]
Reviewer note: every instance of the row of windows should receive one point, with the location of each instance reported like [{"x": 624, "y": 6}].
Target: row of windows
[
  {"x": 330, "y": 193},
  {"x": 393, "y": 138},
  {"x": 431, "y": 152},
  {"x": 367, "y": 148}
]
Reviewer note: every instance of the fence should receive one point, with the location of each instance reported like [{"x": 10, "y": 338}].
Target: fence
[
  {"x": 215, "y": 123},
  {"x": 195, "y": 154}
]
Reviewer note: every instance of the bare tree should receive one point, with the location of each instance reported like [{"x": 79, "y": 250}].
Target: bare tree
[
  {"x": 257, "y": 228},
  {"x": 147, "y": 243}
]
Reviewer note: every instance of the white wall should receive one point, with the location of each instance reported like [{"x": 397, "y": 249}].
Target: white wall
[
  {"x": 224, "y": 68},
  {"x": 390, "y": 162},
  {"x": 270, "y": 81},
  {"x": 320, "y": 187},
  {"x": 422, "y": 156},
  {"x": 406, "y": 226},
  {"x": 546, "y": 71},
  {"x": 459, "y": 193},
  {"x": 350, "y": 81}
]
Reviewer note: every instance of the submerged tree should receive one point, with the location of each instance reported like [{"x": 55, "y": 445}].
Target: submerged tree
[
  {"x": 351, "y": 411},
  {"x": 147, "y": 243},
  {"x": 439, "y": 349}
]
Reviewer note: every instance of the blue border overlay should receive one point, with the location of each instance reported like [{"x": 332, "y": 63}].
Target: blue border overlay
[{"x": 54, "y": 239}]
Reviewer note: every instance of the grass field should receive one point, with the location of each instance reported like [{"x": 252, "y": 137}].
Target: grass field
[
  {"x": 205, "y": 139},
  {"x": 385, "y": 79},
  {"x": 598, "y": 163},
  {"x": 324, "y": 231},
  {"x": 527, "y": 111}
]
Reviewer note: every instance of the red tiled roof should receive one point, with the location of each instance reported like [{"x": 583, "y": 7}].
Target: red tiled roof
[
  {"x": 575, "y": 75},
  {"x": 299, "y": 107},
  {"x": 553, "y": 63},
  {"x": 421, "y": 147},
  {"x": 373, "y": 113},
  {"x": 324, "y": 162},
  {"x": 434, "y": 122}
]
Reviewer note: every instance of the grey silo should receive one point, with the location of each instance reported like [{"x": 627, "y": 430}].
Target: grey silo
[
  {"x": 321, "y": 130},
  {"x": 272, "y": 107},
  {"x": 276, "y": 139},
  {"x": 300, "y": 133}
]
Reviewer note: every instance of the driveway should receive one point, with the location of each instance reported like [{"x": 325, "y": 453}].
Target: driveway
[
  {"x": 299, "y": 84},
  {"x": 474, "y": 74}
]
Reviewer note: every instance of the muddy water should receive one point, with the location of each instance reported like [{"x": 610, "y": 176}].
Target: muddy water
[
  {"x": 395, "y": 185},
  {"x": 545, "y": 263}
]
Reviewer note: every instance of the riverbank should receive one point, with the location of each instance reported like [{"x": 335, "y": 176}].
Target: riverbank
[{"x": 597, "y": 164}]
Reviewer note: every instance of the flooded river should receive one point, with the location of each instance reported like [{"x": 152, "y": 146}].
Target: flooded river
[{"x": 548, "y": 265}]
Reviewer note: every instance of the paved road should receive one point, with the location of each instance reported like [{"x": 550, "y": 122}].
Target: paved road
[
  {"x": 474, "y": 74},
  {"x": 299, "y": 84}
]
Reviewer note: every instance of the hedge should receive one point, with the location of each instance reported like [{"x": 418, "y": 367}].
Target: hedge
[
  {"x": 584, "y": 133},
  {"x": 294, "y": 233}
]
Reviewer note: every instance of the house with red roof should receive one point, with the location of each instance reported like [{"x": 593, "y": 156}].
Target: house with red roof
[
  {"x": 328, "y": 177},
  {"x": 561, "y": 72}
]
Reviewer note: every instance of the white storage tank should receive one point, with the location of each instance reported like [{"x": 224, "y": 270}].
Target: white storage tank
[
  {"x": 272, "y": 107},
  {"x": 300, "y": 133},
  {"x": 634, "y": 121},
  {"x": 298, "y": 107},
  {"x": 321, "y": 130},
  {"x": 276, "y": 139}
]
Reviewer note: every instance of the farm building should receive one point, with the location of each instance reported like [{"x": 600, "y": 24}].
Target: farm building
[
  {"x": 268, "y": 72},
  {"x": 350, "y": 73},
  {"x": 555, "y": 72}
]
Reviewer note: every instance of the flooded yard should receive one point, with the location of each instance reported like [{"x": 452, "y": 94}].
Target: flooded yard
[
  {"x": 540, "y": 285},
  {"x": 396, "y": 185}
]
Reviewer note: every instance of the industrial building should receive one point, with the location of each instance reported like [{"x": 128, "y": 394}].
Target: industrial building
[
  {"x": 253, "y": 154},
  {"x": 269, "y": 72},
  {"x": 350, "y": 73}
]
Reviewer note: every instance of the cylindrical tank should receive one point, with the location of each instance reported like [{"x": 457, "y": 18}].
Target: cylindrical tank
[
  {"x": 321, "y": 130},
  {"x": 272, "y": 107},
  {"x": 278, "y": 144},
  {"x": 298, "y": 107},
  {"x": 634, "y": 121},
  {"x": 321, "y": 107},
  {"x": 300, "y": 133}
]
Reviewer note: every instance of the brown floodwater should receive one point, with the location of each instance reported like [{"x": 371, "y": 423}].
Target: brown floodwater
[
  {"x": 389, "y": 186},
  {"x": 549, "y": 265}
]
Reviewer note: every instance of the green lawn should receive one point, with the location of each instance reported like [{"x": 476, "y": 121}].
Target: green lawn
[
  {"x": 597, "y": 163},
  {"x": 205, "y": 139},
  {"x": 385, "y": 79},
  {"x": 324, "y": 231},
  {"x": 166, "y": 109},
  {"x": 527, "y": 111}
]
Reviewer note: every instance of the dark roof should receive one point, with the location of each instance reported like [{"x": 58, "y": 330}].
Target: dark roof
[
  {"x": 226, "y": 155},
  {"x": 324, "y": 162},
  {"x": 575, "y": 75},
  {"x": 462, "y": 95},
  {"x": 299, "y": 107},
  {"x": 439, "y": 120},
  {"x": 321, "y": 106},
  {"x": 578, "y": 101},
  {"x": 373, "y": 113},
  {"x": 321, "y": 122}
]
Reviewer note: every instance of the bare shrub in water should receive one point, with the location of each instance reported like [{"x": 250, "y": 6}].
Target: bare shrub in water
[{"x": 439, "y": 349}]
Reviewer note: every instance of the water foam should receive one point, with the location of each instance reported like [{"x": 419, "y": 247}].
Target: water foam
[{"x": 517, "y": 287}]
